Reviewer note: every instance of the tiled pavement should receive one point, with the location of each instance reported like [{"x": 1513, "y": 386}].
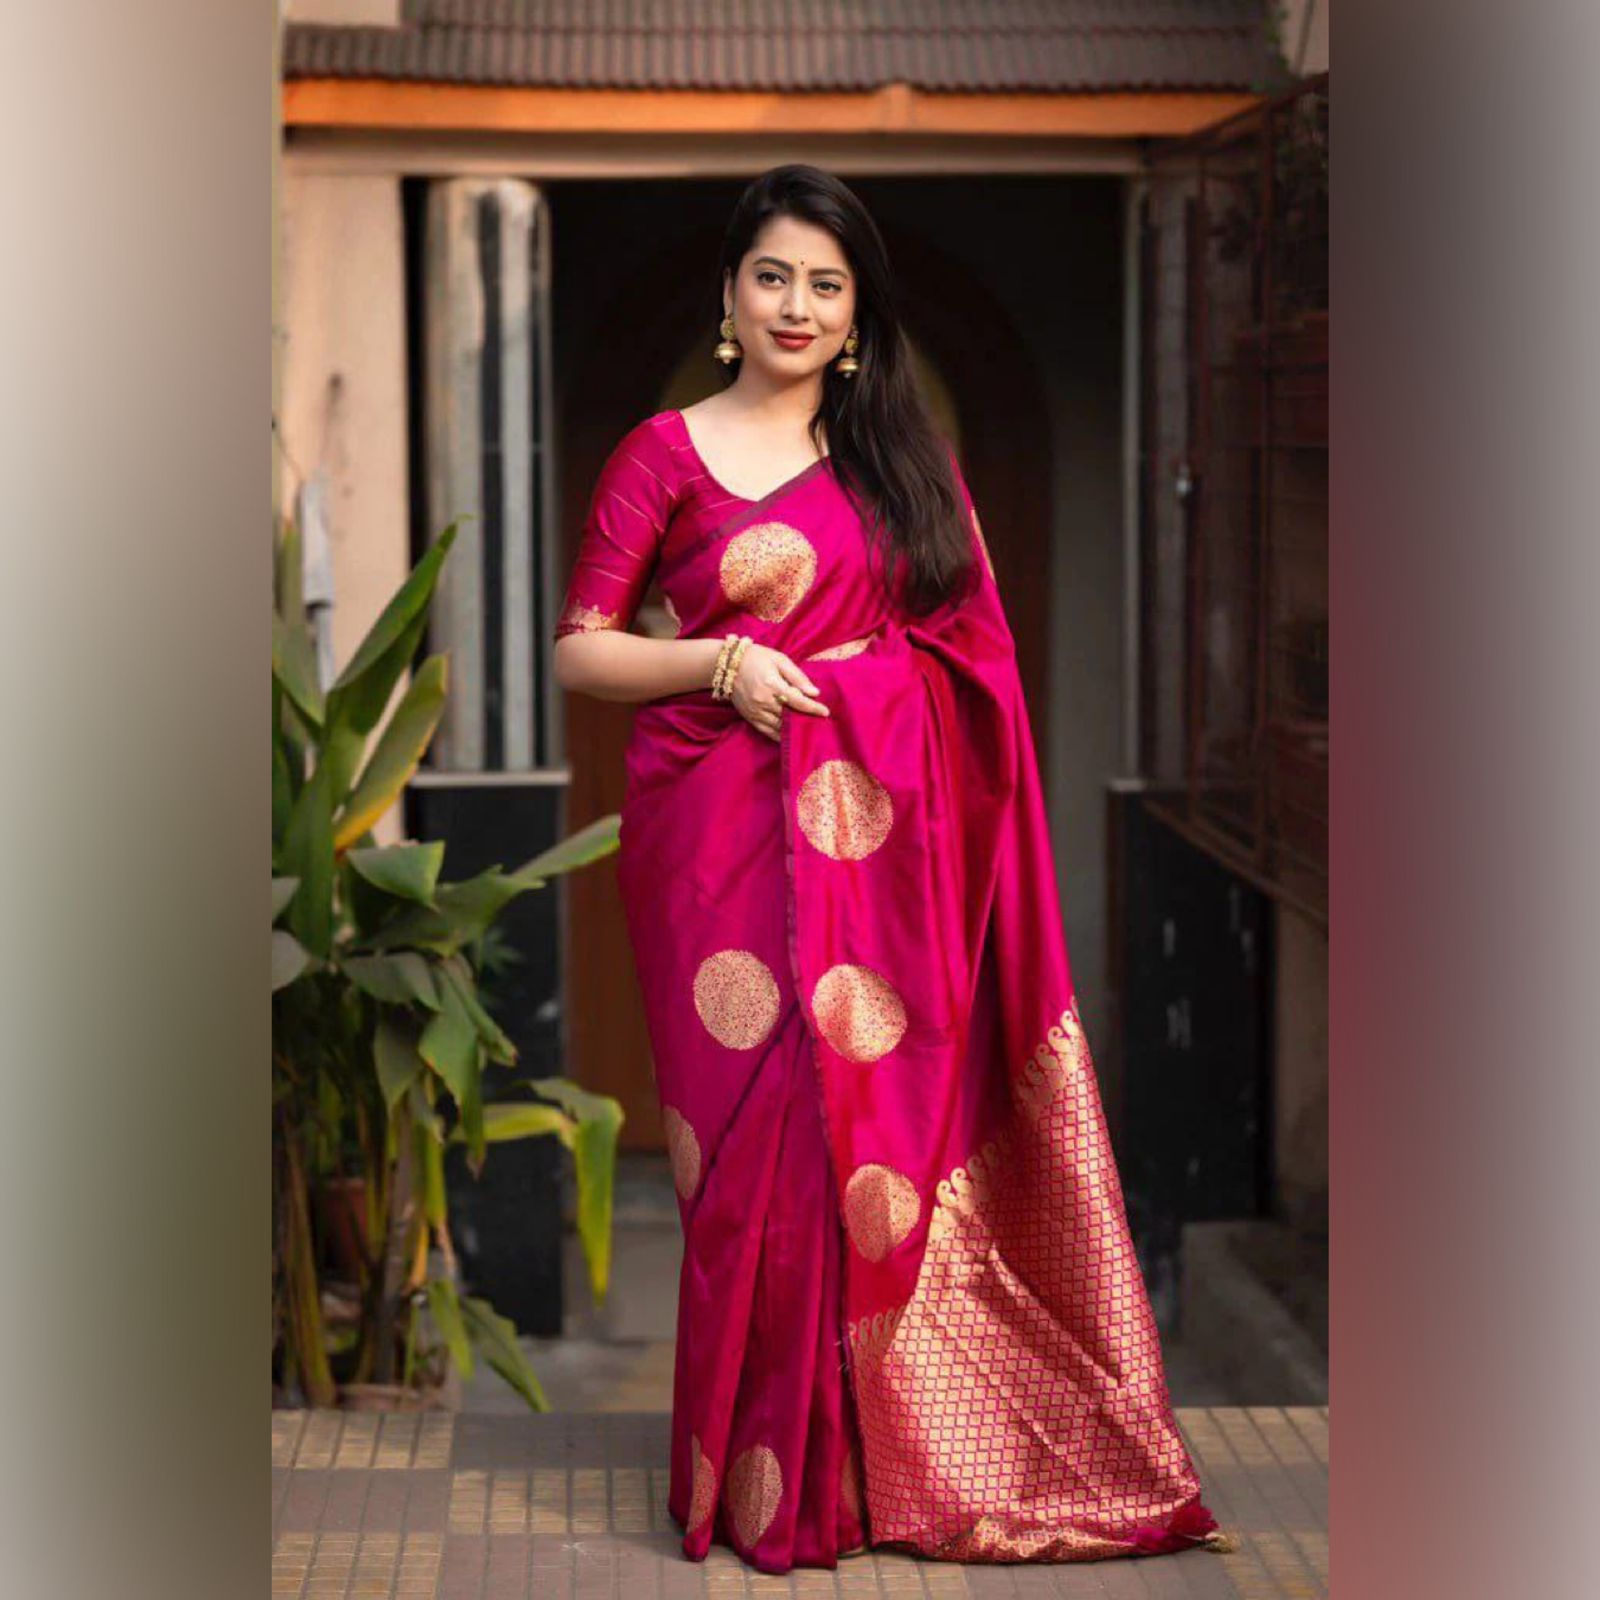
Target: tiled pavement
[{"x": 567, "y": 1506}]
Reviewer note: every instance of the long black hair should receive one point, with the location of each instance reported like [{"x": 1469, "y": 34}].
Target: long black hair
[{"x": 882, "y": 444}]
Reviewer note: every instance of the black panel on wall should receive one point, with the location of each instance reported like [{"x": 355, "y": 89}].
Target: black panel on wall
[
  {"x": 507, "y": 1225},
  {"x": 1194, "y": 1136}
]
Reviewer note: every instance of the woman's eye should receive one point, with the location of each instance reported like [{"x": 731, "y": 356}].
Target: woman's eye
[{"x": 777, "y": 277}]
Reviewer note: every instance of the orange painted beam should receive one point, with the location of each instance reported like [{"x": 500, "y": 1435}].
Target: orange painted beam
[{"x": 897, "y": 108}]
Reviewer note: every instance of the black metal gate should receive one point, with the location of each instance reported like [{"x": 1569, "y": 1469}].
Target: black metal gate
[{"x": 1234, "y": 491}]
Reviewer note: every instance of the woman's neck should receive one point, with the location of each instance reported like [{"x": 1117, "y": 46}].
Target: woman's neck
[{"x": 780, "y": 405}]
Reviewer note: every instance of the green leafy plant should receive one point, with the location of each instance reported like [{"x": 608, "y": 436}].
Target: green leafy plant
[{"x": 381, "y": 1039}]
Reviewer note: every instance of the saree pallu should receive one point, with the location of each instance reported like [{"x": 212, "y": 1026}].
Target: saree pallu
[{"x": 910, "y": 1310}]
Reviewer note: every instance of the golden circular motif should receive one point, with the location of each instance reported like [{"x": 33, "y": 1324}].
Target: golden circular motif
[
  {"x": 683, "y": 1150},
  {"x": 858, "y": 1012},
  {"x": 983, "y": 544},
  {"x": 737, "y": 998},
  {"x": 881, "y": 1207},
  {"x": 755, "y": 1486},
  {"x": 843, "y": 810},
  {"x": 766, "y": 569},
  {"x": 703, "y": 1496}
]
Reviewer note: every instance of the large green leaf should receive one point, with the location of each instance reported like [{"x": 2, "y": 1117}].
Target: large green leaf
[
  {"x": 399, "y": 751},
  {"x": 471, "y": 905},
  {"x": 282, "y": 893},
  {"x": 449, "y": 1045},
  {"x": 496, "y": 1337},
  {"x": 288, "y": 579},
  {"x": 422, "y": 1112},
  {"x": 430, "y": 1175},
  {"x": 446, "y": 1308},
  {"x": 340, "y": 750},
  {"x": 294, "y": 666},
  {"x": 308, "y": 856},
  {"x": 283, "y": 781},
  {"x": 289, "y": 959},
  {"x": 419, "y": 977},
  {"x": 401, "y": 979},
  {"x": 594, "y": 1149},
  {"x": 590, "y": 843},
  {"x": 353, "y": 712},
  {"x": 361, "y": 685},
  {"x": 380, "y": 977},
  {"x": 457, "y": 971},
  {"x": 290, "y": 763},
  {"x": 407, "y": 871},
  {"x": 368, "y": 907},
  {"x": 505, "y": 1120},
  {"x": 361, "y": 702},
  {"x": 461, "y": 913},
  {"x": 396, "y": 1058}
]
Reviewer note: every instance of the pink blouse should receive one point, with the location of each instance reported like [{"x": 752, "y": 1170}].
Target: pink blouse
[
  {"x": 652, "y": 487},
  {"x": 657, "y": 512},
  {"x": 655, "y": 504}
]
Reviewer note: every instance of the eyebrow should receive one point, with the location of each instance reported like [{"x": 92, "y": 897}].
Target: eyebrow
[{"x": 788, "y": 266}]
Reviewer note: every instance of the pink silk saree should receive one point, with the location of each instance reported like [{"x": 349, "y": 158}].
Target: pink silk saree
[{"x": 910, "y": 1312}]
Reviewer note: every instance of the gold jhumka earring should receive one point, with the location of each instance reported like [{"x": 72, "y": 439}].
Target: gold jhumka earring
[
  {"x": 847, "y": 366},
  {"x": 730, "y": 349}
]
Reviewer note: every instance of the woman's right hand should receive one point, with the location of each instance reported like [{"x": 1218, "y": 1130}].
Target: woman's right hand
[{"x": 768, "y": 685}]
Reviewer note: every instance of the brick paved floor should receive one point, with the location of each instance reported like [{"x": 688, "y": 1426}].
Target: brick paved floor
[{"x": 566, "y": 1506}]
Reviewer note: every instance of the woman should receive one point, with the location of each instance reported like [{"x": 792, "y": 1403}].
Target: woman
[{"x": 910, "y": 1313}]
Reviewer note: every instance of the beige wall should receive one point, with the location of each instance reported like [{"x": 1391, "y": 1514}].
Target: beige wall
[
  {"x": 349, "y": 13},
  {"x": 1303, "y": 30},
  {"x": 344, "y": 385}
]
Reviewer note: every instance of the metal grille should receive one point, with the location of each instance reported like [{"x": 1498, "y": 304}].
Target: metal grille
[{"x": 1234, "y": 502}]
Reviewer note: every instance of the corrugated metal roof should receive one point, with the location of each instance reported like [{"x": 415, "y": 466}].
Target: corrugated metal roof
[{"x": 993, "y": 46}]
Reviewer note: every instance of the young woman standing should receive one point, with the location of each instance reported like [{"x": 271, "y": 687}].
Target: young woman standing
[{"x": 910, "y": 1312}]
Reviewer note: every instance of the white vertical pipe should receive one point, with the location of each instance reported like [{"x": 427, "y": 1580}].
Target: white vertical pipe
[
  {"x": 517, "y": 205},
  {"x": 455, "y": 322}
]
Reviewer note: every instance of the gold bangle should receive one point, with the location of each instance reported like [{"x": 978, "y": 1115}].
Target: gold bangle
[
  {"x": 719, "y": 673},
  {"x": 732, "y": 670}
]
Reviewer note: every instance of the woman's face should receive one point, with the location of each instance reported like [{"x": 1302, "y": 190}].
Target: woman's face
[{"x": 794, "y": 278}]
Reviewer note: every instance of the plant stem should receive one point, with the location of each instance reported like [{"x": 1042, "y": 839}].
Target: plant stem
[
  {"x": 402, "y": 1203},
  {"x": 304, "y": 1334}
]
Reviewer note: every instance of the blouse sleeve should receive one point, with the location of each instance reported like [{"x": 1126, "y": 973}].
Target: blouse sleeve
[{"x": 621, "y": 539}]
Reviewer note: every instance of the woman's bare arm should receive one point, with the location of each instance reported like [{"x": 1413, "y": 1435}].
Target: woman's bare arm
[{"x": 611, "y": 664}]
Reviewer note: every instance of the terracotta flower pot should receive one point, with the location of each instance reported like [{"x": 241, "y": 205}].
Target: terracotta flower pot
[
  {"x": 387, "y": 1397},
  {"x": 341, "y": 1219}
]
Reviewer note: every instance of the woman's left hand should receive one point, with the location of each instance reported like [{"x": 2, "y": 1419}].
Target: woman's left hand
[{"x": 769, "y": 684}]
